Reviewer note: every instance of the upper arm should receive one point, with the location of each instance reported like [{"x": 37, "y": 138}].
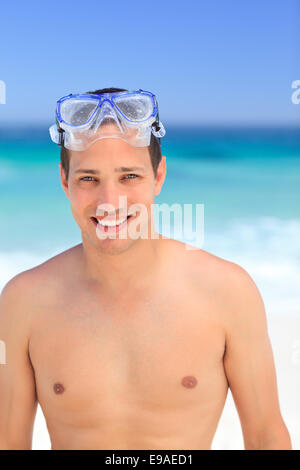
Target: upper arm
[
  {"x": 249, "y": 363},
  {"x": 17, "y": 385}
]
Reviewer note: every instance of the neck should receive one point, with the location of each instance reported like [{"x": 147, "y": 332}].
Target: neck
[{"x": 130, "y": 269}]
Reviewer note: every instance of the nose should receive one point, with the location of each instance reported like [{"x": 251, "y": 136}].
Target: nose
[{"x": 111, "y": 199}]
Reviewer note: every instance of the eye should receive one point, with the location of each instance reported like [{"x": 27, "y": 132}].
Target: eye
[
  {"x": 131, "y": 175},
  {"x": 87, "y": 178}
]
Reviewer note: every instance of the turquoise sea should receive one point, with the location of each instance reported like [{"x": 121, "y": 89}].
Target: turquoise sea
[{"x": 248, "y": 180}]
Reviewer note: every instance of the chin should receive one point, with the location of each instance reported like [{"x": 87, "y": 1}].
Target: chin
[
  {"x": 109, "y": 246},
  {"x": 114, "y": 247}
]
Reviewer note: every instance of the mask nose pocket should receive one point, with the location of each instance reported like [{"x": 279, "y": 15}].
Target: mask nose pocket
[{"x": 107, "y": 116}]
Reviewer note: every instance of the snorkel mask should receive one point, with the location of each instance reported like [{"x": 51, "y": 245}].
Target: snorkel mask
[{"x": 82, "y": 119}]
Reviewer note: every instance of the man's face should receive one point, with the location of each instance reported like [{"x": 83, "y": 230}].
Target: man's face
[{"x": 109, "y": 169}]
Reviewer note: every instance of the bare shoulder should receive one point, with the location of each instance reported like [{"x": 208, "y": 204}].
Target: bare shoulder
[
  {"x": 230, "y": 284},
  {"x": 203, "y": 265},
  {"x": 29, "y": 287},
  {"x": 240, "y": 302}
]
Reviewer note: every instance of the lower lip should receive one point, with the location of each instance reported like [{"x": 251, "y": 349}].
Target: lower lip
[{"x": 114, "y": 229}]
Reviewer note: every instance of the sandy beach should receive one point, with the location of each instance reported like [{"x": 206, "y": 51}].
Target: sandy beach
[{"x": 284, "y": 332}]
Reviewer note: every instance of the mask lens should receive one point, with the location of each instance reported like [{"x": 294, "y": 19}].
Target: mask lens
[
  {"x": 135, "y": 107},
  {"x": 77, "y": 112}
]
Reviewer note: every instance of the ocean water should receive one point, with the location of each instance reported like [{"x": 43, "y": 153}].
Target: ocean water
[{"x": 248, "y": 181}]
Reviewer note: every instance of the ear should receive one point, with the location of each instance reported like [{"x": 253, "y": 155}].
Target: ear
[
  {"x": 160, "y": 175},
  {"x": 64, "y": 181}
]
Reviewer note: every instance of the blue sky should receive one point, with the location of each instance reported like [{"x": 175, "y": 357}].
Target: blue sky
[{"x": 209, "y": 62}]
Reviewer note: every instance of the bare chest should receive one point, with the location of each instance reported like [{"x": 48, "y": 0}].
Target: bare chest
[{"x": 160, "y": 352}]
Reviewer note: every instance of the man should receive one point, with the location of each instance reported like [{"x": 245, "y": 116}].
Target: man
[{"x": 130, "y": 342}]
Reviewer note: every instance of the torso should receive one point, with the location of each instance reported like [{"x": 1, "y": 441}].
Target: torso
[{"x": 144, "y": 371}]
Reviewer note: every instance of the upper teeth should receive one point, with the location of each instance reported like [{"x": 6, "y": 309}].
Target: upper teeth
[{"x": 112, "y": 223}]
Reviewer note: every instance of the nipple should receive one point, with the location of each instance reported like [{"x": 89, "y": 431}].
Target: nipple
[
  {"x": 58, "y": 388},
  {"x": 189, "y": 381}
]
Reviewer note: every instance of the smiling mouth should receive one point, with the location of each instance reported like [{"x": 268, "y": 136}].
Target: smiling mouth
[{"x": 111, "y": 223}]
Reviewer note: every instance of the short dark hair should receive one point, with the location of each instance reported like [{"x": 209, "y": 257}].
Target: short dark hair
[{"x": 154, "y": 147}]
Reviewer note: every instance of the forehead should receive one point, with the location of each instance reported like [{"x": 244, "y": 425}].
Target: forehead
[{"x": 110, "y": 152}]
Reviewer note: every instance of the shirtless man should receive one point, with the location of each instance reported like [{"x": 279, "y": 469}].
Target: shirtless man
[{"x": 133, "y": 343}]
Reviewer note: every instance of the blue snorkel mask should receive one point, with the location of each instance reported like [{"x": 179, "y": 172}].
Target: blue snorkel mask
[{"x": 82, "y": 119}]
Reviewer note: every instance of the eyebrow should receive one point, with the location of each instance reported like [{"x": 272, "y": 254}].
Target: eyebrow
[{"x": 121, "y": 169}]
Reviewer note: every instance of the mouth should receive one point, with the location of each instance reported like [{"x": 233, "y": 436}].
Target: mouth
[{"x": 110, "y": 225}]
